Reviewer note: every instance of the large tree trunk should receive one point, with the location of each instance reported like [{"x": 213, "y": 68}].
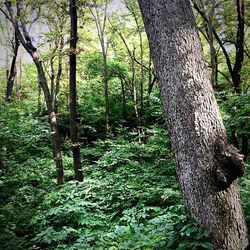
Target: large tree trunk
[
  {"x": 72, "y": 92},
  {"x": 207, "y": 166}
]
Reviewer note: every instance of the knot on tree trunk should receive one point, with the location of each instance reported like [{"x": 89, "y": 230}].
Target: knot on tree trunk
[{"x": 230, "y": 164}]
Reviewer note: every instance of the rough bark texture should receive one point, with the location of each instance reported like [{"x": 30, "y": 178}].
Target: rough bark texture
[
  {"x": 207, "y": 166},
  {"x": 235, "y": 67},
  {"x": 73, "y": 95},
  {"x": 213, "y": 55}
]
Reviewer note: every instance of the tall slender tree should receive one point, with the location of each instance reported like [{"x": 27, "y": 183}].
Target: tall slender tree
[
  {"x": 207, "y": 166},
  {"x": 133, "y": 69},
  {"x": 132, "y": 10},
  {"x": 100, "y": 23},
  {"x": 13, "y": 70},
  {"x": 73, "y": 94},
  {"x": 11, "y": 43},
  {"x": 26, "y": 41}
]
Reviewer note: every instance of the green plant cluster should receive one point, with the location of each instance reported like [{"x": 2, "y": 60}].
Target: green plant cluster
[{"x": 129, "y": 199}]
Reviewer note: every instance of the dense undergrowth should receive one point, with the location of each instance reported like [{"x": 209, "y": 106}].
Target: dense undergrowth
[{"x": 130, "y": 197}]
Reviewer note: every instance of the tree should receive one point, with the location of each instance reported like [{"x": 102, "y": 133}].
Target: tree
[
  {"x": 57, "y": 24},
  {"x": 207, "y": 32},
  {"x": 206, "y": 165},
  {"x": 73, "y": 94},
  {"x": 12, "y": 71},
  {"x": 132, "y": 81},
  {"x": 131, "y": 9},
  {"x": 26, "y": 41},
  {"x": 228, "y": 37},
  {"x": 100, "y": 23},
  {"x": 238, "y": 41},
  {"x": 12, "y": 43}
]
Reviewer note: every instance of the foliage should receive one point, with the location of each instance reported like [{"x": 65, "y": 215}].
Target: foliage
[
  {"x": 130, "y": 197},
  {"x": 127, "y": 201},
  {"x": 236, "y": 112}
]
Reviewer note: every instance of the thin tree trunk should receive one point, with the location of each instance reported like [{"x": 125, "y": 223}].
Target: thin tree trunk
[
  {"x": 59, "y": 73},
  {"x": 53, "y": 121},
  {"x": 234, "y": 69},
  {"x": 134, "y": 94},
  {"x": 12, "y": 72},
  {"x": 124, "y": 108},
  {"x": 133, "y": 86},
  {"x": 19, "y": 76},
  {"x": 207, "y": 166},
  {"x": 141, "y": 56},
  {"x": 39, "y": 99},
  {"x": 106, "y": 90},
  {"x": 239, "y": 46},
  {"x": 101, "y": 26},
  {"x": 26, "y": 41},
  {"x": 73, "y": 93},
  {"x": 52, "y": 78}
]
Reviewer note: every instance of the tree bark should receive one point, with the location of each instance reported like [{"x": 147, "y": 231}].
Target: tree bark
[
  {"x": 213, "y": 55},
  {"x": 73, "y": 93},
  {"x": 206, "y": 165}
]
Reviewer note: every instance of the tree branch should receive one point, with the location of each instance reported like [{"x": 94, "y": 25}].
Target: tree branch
[{"x": 228, "y": 61}]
